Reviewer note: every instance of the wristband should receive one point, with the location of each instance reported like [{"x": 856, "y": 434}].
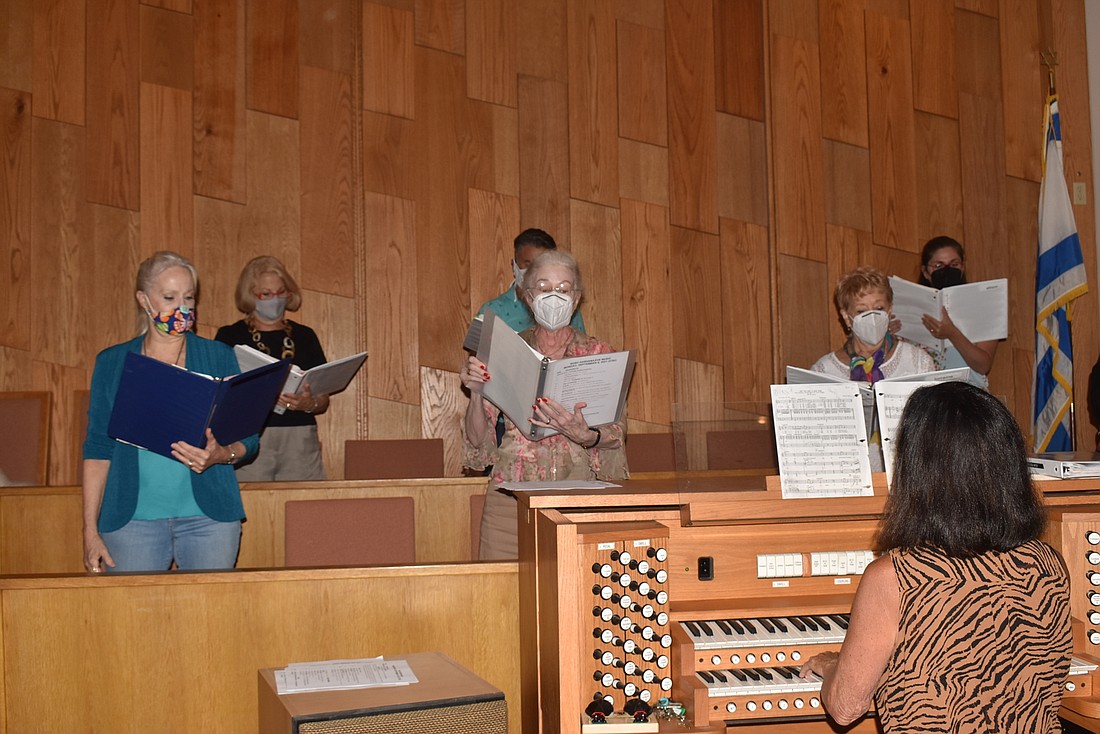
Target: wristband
[{"x": 596, "y": 442}]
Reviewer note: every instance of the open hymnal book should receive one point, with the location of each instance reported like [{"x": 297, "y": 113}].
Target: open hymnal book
[
  {"x": 324, "y": 379},
  {"x": 1065, "y": 464},
  {"x": 520, "y": 374},
  {"x": 980, "y": 310},
  {"x": 824, "y": 425}
]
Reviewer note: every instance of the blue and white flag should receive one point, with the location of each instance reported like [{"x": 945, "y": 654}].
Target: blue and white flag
[{"x": 1059, "y": 279}]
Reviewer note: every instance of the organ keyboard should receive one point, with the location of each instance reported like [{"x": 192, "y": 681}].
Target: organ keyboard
[{"x": 731, "y": 630}]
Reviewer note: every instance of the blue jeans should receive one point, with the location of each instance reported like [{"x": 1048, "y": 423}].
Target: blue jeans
[{"x": 194, "y": 543}]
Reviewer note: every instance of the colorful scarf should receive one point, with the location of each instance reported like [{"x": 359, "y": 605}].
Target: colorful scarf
[{"x": 868, "y": 369}]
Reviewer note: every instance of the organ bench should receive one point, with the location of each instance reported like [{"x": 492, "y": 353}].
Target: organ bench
[{"x": 711, "y": 590}]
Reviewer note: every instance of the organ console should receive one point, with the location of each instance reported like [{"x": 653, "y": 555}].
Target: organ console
[{"x": 710, "y": 590}]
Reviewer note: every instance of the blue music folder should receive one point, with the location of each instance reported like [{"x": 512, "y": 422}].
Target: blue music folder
[{"x": 158, "y": 404}]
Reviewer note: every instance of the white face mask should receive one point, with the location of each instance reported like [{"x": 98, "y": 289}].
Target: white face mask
[
  {"x": 870, "y": 326},
  {"x": 519, "y": 275},
  {"x": 552, "y": 310},
  {"x": 271, "y": 309}
]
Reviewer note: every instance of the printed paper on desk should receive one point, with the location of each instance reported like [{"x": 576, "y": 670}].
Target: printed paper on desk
[{"x": 558, "y": 484}]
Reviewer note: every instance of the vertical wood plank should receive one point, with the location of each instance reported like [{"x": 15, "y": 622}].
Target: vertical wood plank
[
  {"x": 692, "y": 126},
  {"x": 272, "y": 58},
  {"x": 329, "y": 33},
  {"x": 647, "y": 308},
  {"x": 848, "y": 185},
  {"x": 441, "y": 24},
  {"x": 220, "y": 134},
  {"x": 843, "y": 72},
  {"x": 746, "y": 312},
  {"x": 167, "y": 48},
  {"x": 643, "y": 172},
  {"x": 17, "y": 20},
  {"x": 390, "y": 419},
  {"x": 739, "y": 57},
  {"x": 641, "y": 12},
  {"x": 541, "y": 25},
  {"x": 59, "y": 60},
  {"x": 494, "y": 223},
  {"x": 218, "y": 227},
  {"x": 795, "y": 19},
  {"x": 1022, "y": 212},
  {"x": 112, "y": 108},
  {"x": 805, "y": 311},
  {"x": 543, "y": 155},
  {"x": 890, "y": 108},
  {"x": 939, "y": 178},
  {"x": 696, "y": 279},
  {"x": 742, "y": 170},
  {"x": 389, "y": 149},
  {"x": 273, "y": 214},
  {"x": 443, "y": 406},
  {"x": 167, "y": 212},
  {"x": 593, "y": 113},
  {"x": 505, "y": 147},
  {"x": 65, "y": 419},
  {"x": 16, "y": 195},
  {"x": 1022, "y": 78},
  {"x": 326, "y": 129},
  {"x": 981, "y": 142},
  {"x": 392, "y": 256},
  {"x": 935, "y": 88},
  {"x": 491, "y": 51},
  {"x": 388, "y": 61},
  {"x": 978, "y": 49},
  {"x": 594, "y": 240},
  {"x": 643, "y": 102},
  {"x": 698, "y": 394},
  {"x": 796, "y": 129},
  {"x": 179, "y": 6},
  {"x": 985, "y": 7}
]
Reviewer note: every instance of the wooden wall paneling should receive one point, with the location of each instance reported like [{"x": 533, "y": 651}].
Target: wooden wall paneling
[
  {"x": 806, "y": 311},
  {"x": 56, "y": 518},
  {"x": 440, "y": 157},
  {"x": 692, "y": 126},
  {"x": 981, "y": 140},
  {"x": 479, "y": 121},
  {"x": 441, "y": 24},
  {"x": 543, "y": 155},
  {"x": 15, "y": 218},
  {"x": 796, "y": 139},
  {"x": 505, "y": 146},
  {"x": 541, "y": 25},
  {"x": 594, "y": 239},
  {"x": 647, "y": 308},
  {"x": 59, "y": 58},
  {"x": 1023, "y": 78},
  {"x": 16, "y": 369},
  {"x": 641, "y": 12},
  {"x": 329, "y": 34},
  {"x": 843, "y": 71},
  {"x": 698, "y": 403},
  {"x": 66, "y": 439},
  {"x": 935, "y": 87},
  {"x": 491, "y": 42},
  {"x": 273, "y": 211},
  {"x": 939, "y": 177},
  {"x": 739, "y": 57},
  {"x": 112, "y": 109},
  {"x": 1020, "y": 385},
  {"x": 391, "y": 419},
  {"x": 985, "y": 7},
  {"x": 17, "y": 48},
  {"x": 742, "y": 170},
  {"x": 180, "y": 6},
  {"x": 979, "y": 55},
  {"x": 847, "y": 185},
  {"x": 643, "y": 172},
  {"x": 848, "y": 249},
  {"x": 746, "y": 311},
  {"x": 494, "y": 223},
  {"x": 389, "y": 145},
  {"x": 895, "y": 262},
  {"x": 890, "y": 115},
  {"x": 167, "y": 48},
  {"x": 167, "y": 211},
  {"x": 593, "y": 102},
  {"x": 643, "y": 99},
  {"x": 1017, "y": 263},
  {"x": 219, "y": 259},
  {"x": 113, "y": 254},
  {"x": 271, "y": 64},
  {"x": 332, "y": 317},
  {"x": 328, "y": 181},
  {"x": 394, "y": 298},
  {"x": 389, "y": 64},
  {"x": 442, "y": 409},
  {"x": 696, "y": 295},
  {"x": 793, "y": 19},
  {"x": 220, "y": 134},
  {"x": 199, "y": 644}
]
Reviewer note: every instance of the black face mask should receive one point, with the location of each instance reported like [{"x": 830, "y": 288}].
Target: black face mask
[{"x": 947, "y": 277}]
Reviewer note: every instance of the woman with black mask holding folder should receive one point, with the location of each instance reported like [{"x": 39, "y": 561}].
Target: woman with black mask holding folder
[
  {"x": 552, "y": 290},
  {"x": 144, "y": 511}
]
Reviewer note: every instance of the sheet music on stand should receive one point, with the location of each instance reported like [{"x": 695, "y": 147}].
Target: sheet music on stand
[
  {"x": 821, "y": 440},
  {"x": 337, "y": 675}
]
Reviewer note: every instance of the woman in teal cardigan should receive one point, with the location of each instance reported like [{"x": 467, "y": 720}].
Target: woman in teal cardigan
[{"x": 143, "y": 511}]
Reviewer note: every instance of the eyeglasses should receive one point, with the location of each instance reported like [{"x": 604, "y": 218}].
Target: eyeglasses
[
  {"x": 956, "y": 263},
  {"x": 544, "y": 286},
  {"x": 265, "y": 295}
]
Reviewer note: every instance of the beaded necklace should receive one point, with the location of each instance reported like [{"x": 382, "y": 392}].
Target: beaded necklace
[{"x": 288, "y": 341}]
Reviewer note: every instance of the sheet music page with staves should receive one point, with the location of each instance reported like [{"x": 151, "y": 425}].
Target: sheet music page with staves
[{"x": 821, "y": 440}]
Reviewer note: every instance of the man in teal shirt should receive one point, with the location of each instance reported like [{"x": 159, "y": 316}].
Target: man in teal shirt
[{"x": 529, "y": 244}]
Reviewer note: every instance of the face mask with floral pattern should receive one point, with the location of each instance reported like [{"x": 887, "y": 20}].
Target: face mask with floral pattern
[{"x": 175, "y": 322}]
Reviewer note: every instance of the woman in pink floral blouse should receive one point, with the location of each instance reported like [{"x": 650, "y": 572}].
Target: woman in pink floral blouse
[{"x": 552, "y": 289}]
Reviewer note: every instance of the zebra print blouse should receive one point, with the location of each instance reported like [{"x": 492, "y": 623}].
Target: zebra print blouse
[{"x": 983, "y": 645}]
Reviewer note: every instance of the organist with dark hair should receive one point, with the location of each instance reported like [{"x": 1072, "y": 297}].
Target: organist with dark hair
[{"x": 962, "y": 624}]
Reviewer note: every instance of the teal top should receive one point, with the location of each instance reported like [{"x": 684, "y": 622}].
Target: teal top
[
  {"x": 166, "y": 489},
  {"x": 215, "y": 491},
  {"x": 515, "y": 313}
]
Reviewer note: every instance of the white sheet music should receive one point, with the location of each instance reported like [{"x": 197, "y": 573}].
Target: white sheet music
[
  {"x": 821, "y": 440},
  {"x": 334, "y": 675}
]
